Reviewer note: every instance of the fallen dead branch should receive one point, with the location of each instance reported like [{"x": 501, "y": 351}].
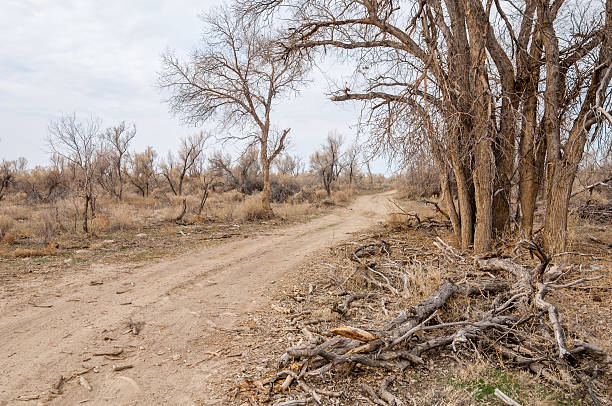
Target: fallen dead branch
[{"x": 506, "y": 315}]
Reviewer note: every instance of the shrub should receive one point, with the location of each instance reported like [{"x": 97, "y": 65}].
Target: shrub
[
  {"x": 250, "y": 209},
  {"x": 121, "y": 218},
  {"x": 293, "y": 211},
  {"x": 100, "y": 224},
  {"x": 341, "y": 197},
  {"x": 6, "y": 225},
  {"x": 16, "y": 212},
  {"x": 34, "y": 252},
  {"x": 47, "y": 225}
]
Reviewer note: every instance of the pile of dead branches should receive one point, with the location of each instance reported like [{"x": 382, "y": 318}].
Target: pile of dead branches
[
  {"x": 514, "y": 321},
  {"x": 599, "y": 213}
]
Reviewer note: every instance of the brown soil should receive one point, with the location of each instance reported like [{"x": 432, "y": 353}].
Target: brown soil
[{"x": 187, "y": 311}]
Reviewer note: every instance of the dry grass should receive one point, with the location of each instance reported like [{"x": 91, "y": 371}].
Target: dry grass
[
  {"x": 47, "y": 225},
  {"x": 34, "y": 252},
  {"x": 341, "y": 197},
  {"x": 6, "y": 225},
  {"x": 16, "y": 212},
  {"x": 122, "y": 218},
  {"x": 294, "y": 211},
  {"x": 28, "y": 227},
  {"x": 250, "y": 209}
]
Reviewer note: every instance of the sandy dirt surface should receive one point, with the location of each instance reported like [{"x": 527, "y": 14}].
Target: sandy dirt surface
[{"x": 56, "y": 328}]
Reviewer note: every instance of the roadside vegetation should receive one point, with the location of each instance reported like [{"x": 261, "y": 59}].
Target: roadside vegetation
[{"x": 135, "y": 204}]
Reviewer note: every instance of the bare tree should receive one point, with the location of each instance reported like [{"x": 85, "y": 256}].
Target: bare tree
[
  {"x": 8, "y": 171},
  {"x": 237, "y": 73},
  {"x": 289, "y": 164},
  {"x": 118, "y": 140},
  {"x": 44, "y": 184},
  {"x": 470, "y": 80},
  {"x": 221, "y": 166},
  {"x": 175, "y": 169},
  {"x": 248, "y": 169},
  {"x": 142, "y": 169},
  {"x": 204, "y": 178},
  {"x": 75, "y": 141},
  {"x": 326, "y": 162},
  {"x": 351, "y": 161}
]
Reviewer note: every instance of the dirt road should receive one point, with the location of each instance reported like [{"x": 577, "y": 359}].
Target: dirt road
[{"x": 56, "y": 329}]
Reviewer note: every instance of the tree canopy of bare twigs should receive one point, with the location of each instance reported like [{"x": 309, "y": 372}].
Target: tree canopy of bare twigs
[
  {"x": 117, "y": 140},
  {"x": 236, "y": 75},
  {"x": 174, "y": 168},
  {"x": 326, "y": 162},
  {"x": 77, "y": 142},
  {"x": 141, "y": 171},
  {"x": 501, "y": 93}
]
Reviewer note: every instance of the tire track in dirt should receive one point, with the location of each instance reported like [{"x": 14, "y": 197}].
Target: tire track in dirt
[{"x": 180, "y": 301}]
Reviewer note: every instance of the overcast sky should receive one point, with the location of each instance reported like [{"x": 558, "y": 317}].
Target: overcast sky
[{"x": 102, "y": 58}]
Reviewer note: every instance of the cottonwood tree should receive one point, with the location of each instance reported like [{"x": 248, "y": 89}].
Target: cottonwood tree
[
  {"x": 236, "y": 74},
  {"x": 471, "y": 80},
  {"x": 142, "y": 170},
  {"x": 326, "y": 162},
  {"x": 77, "y": 142},
  {"x": 174, "y": 168},
  {"x": 117, "y": 141}
]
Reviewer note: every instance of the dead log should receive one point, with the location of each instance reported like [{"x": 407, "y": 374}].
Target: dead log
[{"x": 354, "y": 333}]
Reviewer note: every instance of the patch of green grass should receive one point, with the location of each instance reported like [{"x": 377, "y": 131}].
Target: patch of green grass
[
  {"x": 483, "y": 389},
  {"x": 39, "y": 261}
]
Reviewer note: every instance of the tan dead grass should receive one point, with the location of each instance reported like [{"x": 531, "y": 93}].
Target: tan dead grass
[
  {"x": 35, "y": 252},
  {"x": 6, "y": 225},
  {"x": 16, "y": 212},
  {"x": 122, "y": 217},
  {"x": 294, "y": 211},
  {"x": 250, "y": 209}
]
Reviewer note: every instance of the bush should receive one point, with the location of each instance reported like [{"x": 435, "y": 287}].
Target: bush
[
  {"x": 250, "y": 209},
  {"x": 282, "y": 189},
  {"x": 47, "y": 225},
  {"x": 16, "y": 212},
  {"x": 293, "y": 211},
  {"x": 100, "y": 224},
  {"x": 121, "y": 218},
  {"x": 6, "y": 225},
  {"x": 341, "y": 197}
]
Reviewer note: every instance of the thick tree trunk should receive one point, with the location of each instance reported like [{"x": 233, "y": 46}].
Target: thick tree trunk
[
  {"x": 531, "y": 163},
  {"x": 265, "y": 169},
  {"x": 483, "y": 195},
  {"x": 465, "y": 196},
  {"x": 180, "y": 185},
  {"x": 504, "y": 152},
  {"x": 449, "y": 203},
  {"x": 445, "y": 188},
  {"x": 85, "y": 213},
  {"x": 265, "y": 194},
  {"x": 555, "y": 221}
]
